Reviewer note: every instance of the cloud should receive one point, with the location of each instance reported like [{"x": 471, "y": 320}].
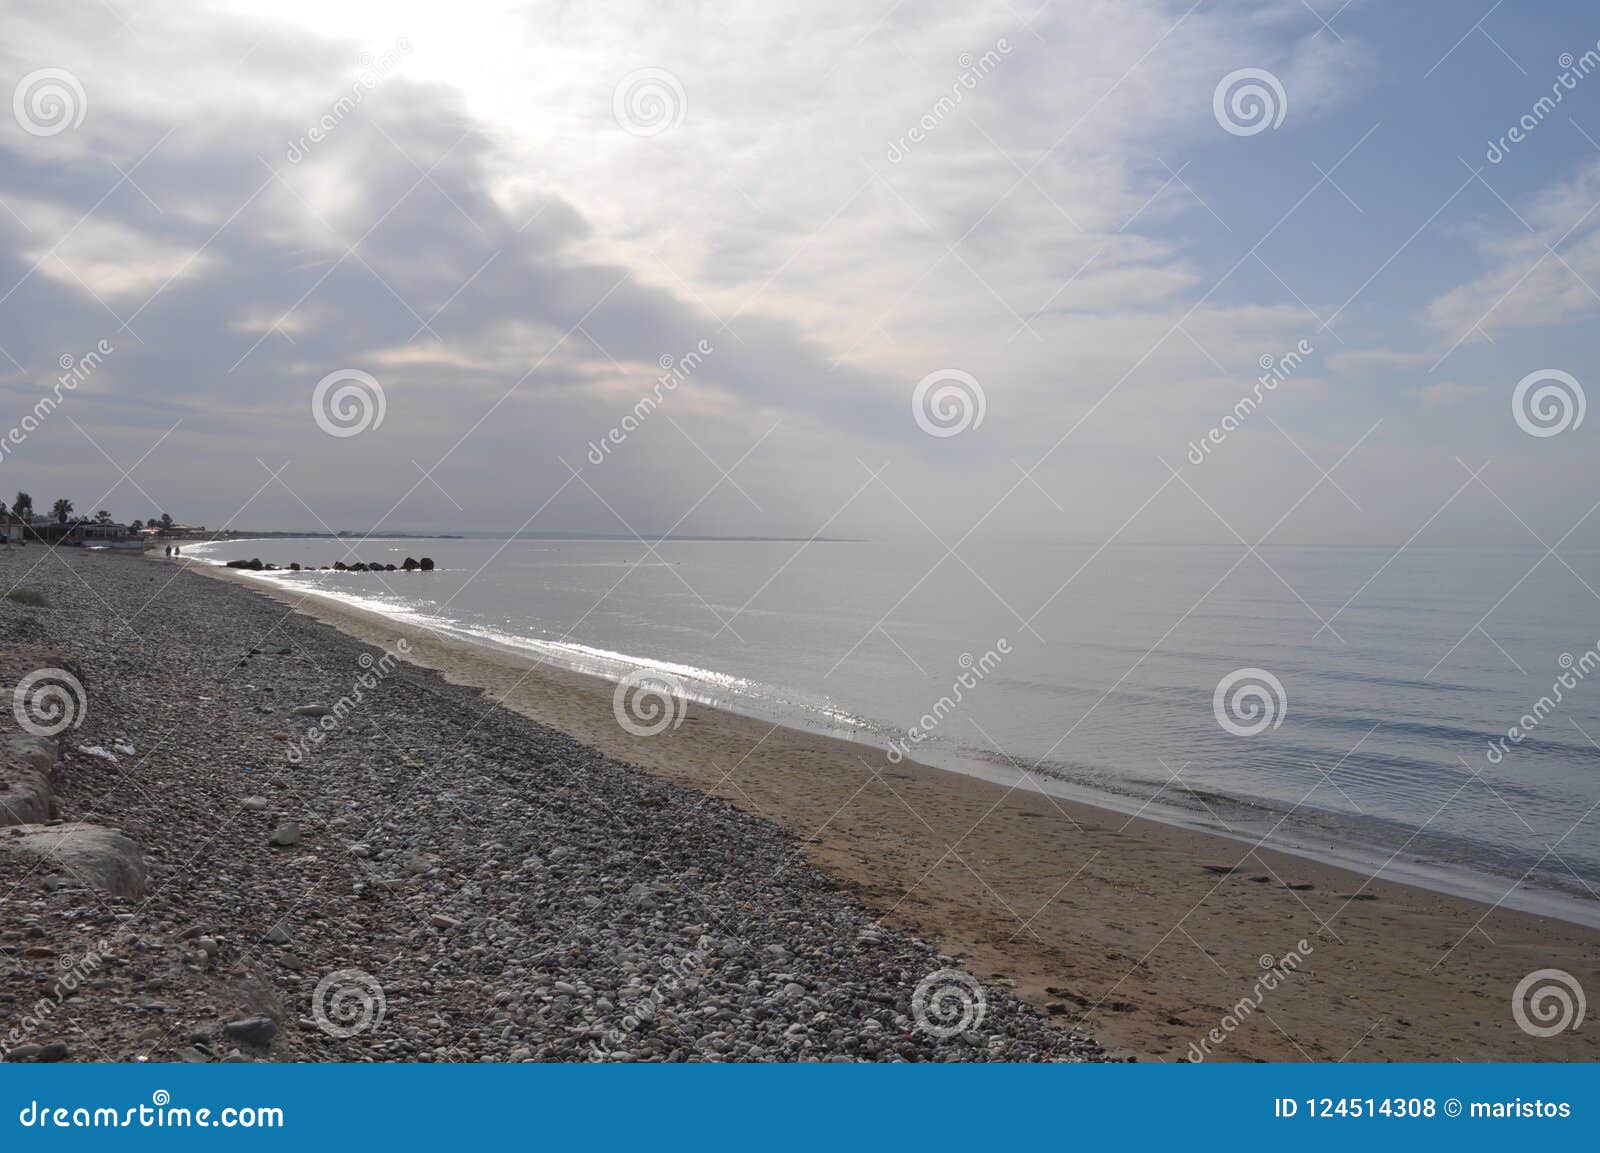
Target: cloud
[
  {"x": 1543, "y": 266},
  {"x": 479, "y": 233},
  {"x": 1448, "y": 392}
]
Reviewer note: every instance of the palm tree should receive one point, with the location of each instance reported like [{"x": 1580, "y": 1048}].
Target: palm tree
[
  {"x": 61, "y": 510},
  {"x": 103, "y": 516}
]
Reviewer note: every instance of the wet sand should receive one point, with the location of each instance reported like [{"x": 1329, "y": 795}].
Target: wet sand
[{"x": 1151, "y": 936}]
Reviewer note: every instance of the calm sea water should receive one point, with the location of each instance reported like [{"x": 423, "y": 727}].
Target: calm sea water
[{"x": 1093, "y": 674}]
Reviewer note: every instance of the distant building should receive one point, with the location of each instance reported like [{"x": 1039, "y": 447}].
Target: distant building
[{"x": 82, "y": 533}]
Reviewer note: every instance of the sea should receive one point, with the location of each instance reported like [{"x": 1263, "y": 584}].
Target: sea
[{"x": 1427, "y": 714}]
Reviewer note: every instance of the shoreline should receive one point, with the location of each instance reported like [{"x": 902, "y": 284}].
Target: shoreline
[
  {"x": 1249, "y": 821},
  {"x": 188, "y": 875},
  {"x": 1145, "y": 933}
]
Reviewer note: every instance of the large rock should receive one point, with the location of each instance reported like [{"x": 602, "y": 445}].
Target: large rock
[
  {"x": 96, "y": 856},
  {"x": 27, "y": 774},
  {"x": 426, "y": 564}
]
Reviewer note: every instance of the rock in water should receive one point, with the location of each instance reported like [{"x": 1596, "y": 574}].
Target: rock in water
[{"x": 426, "y": 564}]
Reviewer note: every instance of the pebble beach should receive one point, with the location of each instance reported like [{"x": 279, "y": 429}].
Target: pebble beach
[{"x": 242, "y": 835}]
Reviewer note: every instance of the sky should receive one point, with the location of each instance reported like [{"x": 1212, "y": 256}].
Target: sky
[{"x": 943, "y": 272}]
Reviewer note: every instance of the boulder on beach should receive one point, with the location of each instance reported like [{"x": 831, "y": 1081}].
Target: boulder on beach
[
  {"x": 294, "y": 566},
  {"x": 411, "y": 563},
  {"x": 255, "y": 564},
  {"x": 27, "y": 771},
  {"x": 426, "y": 564},
  {"x": 340, "y": 566},
  {"x": 91, "y": 854}
]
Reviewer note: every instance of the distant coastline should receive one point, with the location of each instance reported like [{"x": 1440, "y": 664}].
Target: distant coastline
[{"x": 345, "y": 534}]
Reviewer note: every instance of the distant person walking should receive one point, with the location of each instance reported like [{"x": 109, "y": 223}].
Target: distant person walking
[{"x": 169, "y": 550}]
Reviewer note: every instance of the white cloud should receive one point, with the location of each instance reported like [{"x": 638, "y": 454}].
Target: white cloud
[{"x": 1544, "y": 266}]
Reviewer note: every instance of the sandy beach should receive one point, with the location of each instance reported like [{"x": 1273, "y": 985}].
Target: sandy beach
[{"x": 1153, "y": 938}]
